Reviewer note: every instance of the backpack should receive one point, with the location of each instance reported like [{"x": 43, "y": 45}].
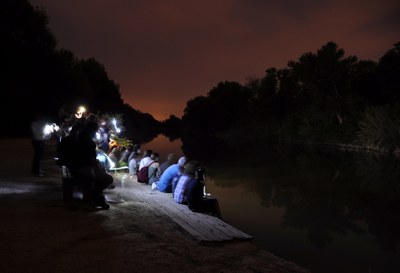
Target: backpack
[
  {"x": 143, "y": 174},
  {"x": 65, "y": 151}
]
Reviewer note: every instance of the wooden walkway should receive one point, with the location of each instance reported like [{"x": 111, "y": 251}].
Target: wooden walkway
[{"x": 202, "y": 227}]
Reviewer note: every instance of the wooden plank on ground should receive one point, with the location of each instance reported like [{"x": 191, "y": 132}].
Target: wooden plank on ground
[{"x": 201, "y": 226}]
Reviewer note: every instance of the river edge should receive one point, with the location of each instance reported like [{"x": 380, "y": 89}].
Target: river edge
[{"x": 41, "y": 234}]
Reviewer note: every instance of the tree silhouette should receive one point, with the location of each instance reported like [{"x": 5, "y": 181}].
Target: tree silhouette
[{"x": 39, "y": 78}]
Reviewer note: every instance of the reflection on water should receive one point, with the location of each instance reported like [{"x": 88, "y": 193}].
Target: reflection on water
[{"x": 327, "y": 210}]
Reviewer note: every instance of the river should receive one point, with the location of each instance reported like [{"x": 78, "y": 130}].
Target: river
[{"x": 328, "y": 211}]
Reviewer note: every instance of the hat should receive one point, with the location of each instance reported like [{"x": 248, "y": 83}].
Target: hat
[{"x": 182, "y": 161}]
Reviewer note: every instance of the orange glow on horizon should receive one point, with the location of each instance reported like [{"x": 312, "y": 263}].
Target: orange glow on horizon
[{"x": 159, "y": 110}]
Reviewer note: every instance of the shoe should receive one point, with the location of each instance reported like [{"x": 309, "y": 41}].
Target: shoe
[
  {"x": 105, "y": 206},
  {"x": 101, "y": 202},
  {"x": 153, "y": 186}
]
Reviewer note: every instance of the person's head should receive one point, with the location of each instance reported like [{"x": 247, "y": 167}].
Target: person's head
[
  {"x": 171, "y": 158},
  {"x": 129, "y": 148},
  {"x": 182, "y": 162},
  {"x": 154, "y": 156},
  {"x": 136, "y": 148},
  {"x": 112, "y": 144},
  {"x": 136, "y": 154},
  {"x": 147, "y": 153},
  {"x": 190, "y": 168}
]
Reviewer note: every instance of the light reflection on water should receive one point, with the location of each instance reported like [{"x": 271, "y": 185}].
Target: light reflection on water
[{"x": 324, "y": 211}]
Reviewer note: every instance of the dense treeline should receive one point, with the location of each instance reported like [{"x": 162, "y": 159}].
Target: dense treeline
[
  {"x": 37, "y": 77},
  {"x": 323, "y": 97}
]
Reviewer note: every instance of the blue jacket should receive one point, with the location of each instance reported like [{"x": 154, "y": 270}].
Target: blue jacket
[{"x": 165, "y": 182}]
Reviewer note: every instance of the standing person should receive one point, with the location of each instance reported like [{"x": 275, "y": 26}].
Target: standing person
[
  {"x": 171, "y": 159},
  {"x": 168, "y": 179},
  {"x": 86, "y": 166},
  {"x": 38, "y": 142}
]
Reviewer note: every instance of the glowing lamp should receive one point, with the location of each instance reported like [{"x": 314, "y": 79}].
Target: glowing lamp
[{"x": 80, "y": 112}]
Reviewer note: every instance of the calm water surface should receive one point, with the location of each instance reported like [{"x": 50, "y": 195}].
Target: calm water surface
[{"x": 327, "y": 211}]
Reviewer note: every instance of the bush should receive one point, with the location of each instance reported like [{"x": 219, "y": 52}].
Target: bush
[{"x": 379, "y": 129}]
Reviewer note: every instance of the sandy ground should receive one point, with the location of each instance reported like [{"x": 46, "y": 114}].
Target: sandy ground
[{"x": 39, "y": 233}]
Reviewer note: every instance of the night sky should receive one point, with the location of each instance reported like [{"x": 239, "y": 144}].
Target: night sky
[{"x": 163, "y": 53}]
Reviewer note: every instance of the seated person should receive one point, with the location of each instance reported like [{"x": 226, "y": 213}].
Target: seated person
[
  {"x": 196, "y": 200},
  {"x": 153, "y": 171},
  {"x": 133, "y": 165},
  {"x": 171, "y": 159},
  {"x": 125, "y": 153},
  {"x": 146, "y": 160},
  {"x": 103, "y": 159},
  {"x": 169, "y": 178},
  {"x": 115, "y": 155},
  {"x": 188, "y": 176}
]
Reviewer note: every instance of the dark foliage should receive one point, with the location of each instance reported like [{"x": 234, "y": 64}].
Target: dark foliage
[
  {"x": 37, "y": 77},
  {"x": 322, "y": 97}
]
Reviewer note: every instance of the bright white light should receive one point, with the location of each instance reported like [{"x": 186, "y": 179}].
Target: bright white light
[
  {"x": 114, "y": 122},
  {"x": 48, "y": 129},
  {"x": 56, "y": 128},
  {"x": 80, "y": 112}
]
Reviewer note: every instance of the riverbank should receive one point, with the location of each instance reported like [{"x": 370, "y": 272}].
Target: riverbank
[{"x": 39, "y": 233}]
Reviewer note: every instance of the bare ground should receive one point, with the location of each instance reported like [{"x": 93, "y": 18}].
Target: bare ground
[{"x": 39, "y": 233}]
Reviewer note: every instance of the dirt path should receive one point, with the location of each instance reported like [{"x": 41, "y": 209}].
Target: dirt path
[{"x": 40, "y": 234}]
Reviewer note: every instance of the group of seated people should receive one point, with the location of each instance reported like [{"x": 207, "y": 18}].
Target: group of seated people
[
  {"x": 90, "y": 159},
  {"x": 184, "y": 179}
]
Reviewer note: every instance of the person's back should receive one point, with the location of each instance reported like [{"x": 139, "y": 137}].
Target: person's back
[
  {"x": 86, "y": 165},
  {"x": 164, "y": 184},
  {"x": 146, "y": 160},
  {"x": 153, "y": 171},
  {"x": 171, "y": 159},
  {"x": 195, "y": 198},
  {"x": 85, "y": 151},
  {"x": 133, "y": 165},
  {"x": 180, "y": 193},
  {"x": 115, "y": 155},
  {"x": 168, "y": 179},
  {"x": 135, "y": 153},
  {"x": 124, "y": 159}
]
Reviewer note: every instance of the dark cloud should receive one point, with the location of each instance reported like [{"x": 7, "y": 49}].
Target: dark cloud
[{"x": 163, "y": 53}]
